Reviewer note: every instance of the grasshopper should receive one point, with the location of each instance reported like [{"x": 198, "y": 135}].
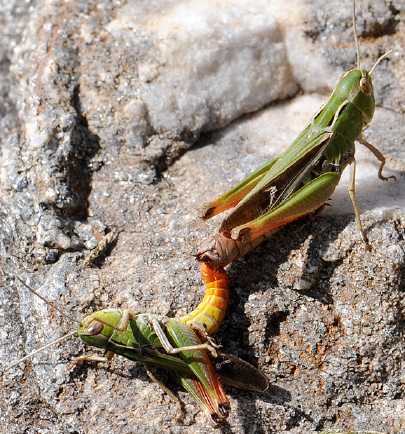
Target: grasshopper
[
  {"x": 182, "y": 345},
  {"x": 300, "y": 180}
]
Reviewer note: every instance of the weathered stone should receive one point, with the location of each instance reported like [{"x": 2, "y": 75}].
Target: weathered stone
[{"x": 111, "y": 98}]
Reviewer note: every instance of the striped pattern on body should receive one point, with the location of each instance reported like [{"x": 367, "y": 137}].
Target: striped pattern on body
[{"x": 209, "y": 314}]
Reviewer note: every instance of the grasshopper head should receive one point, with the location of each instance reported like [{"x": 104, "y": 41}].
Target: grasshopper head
[
  {"x": 356, "y": 86},
  {"x": 97, "y": 328},
  {"x": 366, "y": 83},
  {"x": 364, "y": 98}
]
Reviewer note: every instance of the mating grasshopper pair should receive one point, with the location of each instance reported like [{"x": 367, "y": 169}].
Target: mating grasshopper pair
[{"x": 292, "y": 185}]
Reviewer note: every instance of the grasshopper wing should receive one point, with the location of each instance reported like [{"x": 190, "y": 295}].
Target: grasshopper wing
[
  {"x": 238, "y": 373},
  {"x": 206, "y": 387},
  {"x": 232, "y": 197},
  {"x": 308, "y": 199},
  {"x": 283, "y": 172}
]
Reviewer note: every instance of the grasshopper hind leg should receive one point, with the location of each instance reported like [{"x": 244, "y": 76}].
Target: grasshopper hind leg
[{"x": 168, "y": 347}]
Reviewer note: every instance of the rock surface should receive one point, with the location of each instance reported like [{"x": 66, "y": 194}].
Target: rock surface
[{"x": 131, "y": 114}]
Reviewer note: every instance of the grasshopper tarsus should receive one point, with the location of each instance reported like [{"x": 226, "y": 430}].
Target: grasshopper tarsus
[
  {"x": 387, "y": 178},
  {"x": 212, "y": 346}
]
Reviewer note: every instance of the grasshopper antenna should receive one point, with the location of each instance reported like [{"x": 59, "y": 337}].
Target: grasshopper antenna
[
  {"x": 49, "y": 303},
  {"x": 379, "y": 60},
  {"x": 38, "y": 350},
  {"x": 53, "y": 306},
  {"x": 356, "y": 41}
]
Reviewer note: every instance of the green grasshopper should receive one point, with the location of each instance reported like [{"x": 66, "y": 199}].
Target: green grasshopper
[
  {"x": 170, "y": 344},
  {"x": 301, "y": 179}
]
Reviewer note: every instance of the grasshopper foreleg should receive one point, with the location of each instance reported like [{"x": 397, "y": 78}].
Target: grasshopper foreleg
[
  {"x": 123, "y": 324},
  {"x": 379, "y": 155},
  {"x": 94, "y": 358},
  {"x": 168, "y": 347}
]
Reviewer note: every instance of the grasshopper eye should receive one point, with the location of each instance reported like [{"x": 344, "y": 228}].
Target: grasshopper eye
[
  {"x": 366, "y": 86},
  {"x": 95, "y": 328}
]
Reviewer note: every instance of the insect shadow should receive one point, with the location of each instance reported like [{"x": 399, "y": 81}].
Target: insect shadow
[{"x": 258, "y": 272}]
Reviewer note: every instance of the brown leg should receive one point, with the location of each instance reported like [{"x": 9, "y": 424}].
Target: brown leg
[
  {"x": 378, "y": 154},
  {"x": 108, "y": 356},
  {"x": 203, "y": 335},
  {"x": 90, "y": 358}
]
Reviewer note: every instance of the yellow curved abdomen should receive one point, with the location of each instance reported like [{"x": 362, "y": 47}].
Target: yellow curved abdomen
[{"x": 209, "y": 314}]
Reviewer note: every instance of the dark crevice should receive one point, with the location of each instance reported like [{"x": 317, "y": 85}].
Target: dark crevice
[
  {"x": 387, "y": 27},
  {"x": 207, "y": 137},
  {"x": 325, "y": 274},
  {"x": 298, "y": 416},
  {"x": 273, "y": 325},
  {"x": 367, "y": 28},
  {"x": 329, "y": 421},
  {"x": 162, "y": 152}
]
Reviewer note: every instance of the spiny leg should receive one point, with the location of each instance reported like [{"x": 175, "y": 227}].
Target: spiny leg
[
  {"x": 166, "y": 390},
  {"x": 169, "y": 347},
  {"x": 352, "y": 194},
  {"x": 379, "y": 155}
]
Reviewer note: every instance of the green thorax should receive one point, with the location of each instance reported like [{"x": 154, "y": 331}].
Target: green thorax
[
  {"x": 353, "y": 100},
  {"x": 143, "y": 331}
]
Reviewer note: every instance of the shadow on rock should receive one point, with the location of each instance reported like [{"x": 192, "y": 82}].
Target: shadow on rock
[{"x": 260, "y": 271}]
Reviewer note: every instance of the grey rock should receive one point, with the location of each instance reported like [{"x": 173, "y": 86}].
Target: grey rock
[{"x": 128, "y": 116}]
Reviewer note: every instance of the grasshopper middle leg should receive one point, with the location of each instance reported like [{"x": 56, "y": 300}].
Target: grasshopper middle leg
[{"x": 352, "y": 194}]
